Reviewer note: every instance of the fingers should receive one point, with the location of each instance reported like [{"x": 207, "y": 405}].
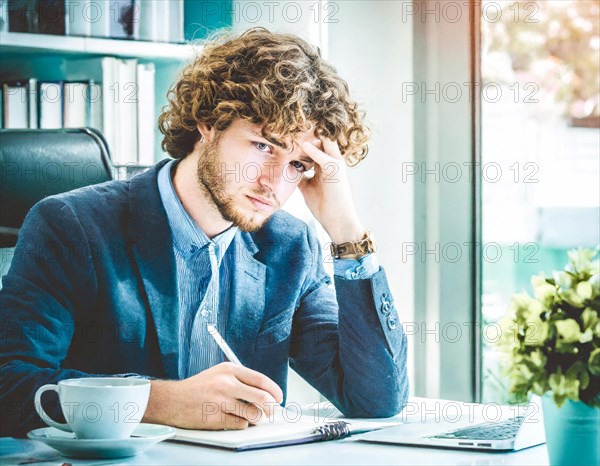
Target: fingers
[
  {"x": 331, "y": 147},
  {"x": 256, "y": 379},
  {"x": 259, "y": 398},
  {"x": 321, "y": 157},
  {"x": 233, "y": 422},
  {"x": 225, "y": 396},
  {"x": 244, "y": 410}
]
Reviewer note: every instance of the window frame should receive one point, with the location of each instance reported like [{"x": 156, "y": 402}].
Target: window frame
[{"x": 448, "y": 294}]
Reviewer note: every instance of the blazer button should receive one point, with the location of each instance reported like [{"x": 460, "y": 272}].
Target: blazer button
[
  {"x": 386, "y": 307},
  {"x": 386, "y": 298}
]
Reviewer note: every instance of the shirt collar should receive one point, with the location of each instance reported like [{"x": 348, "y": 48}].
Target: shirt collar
[{"x": 188, "y": 237}]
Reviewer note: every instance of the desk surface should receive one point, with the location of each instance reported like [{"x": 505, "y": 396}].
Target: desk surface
[{"x": 341, "y": 452}]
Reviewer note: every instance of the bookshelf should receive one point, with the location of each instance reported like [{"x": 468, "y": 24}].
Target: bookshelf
[
  {"x": 28, "y": 46},
  {"x": 70, "y": 58}
]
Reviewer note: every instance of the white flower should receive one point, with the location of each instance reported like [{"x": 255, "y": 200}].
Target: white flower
[
  {"x": 581, "y": 259},
  {"x": 562, "y": 279},
  {"x": 572, "y": 298},
  {"x": 595, "y": 282},
  {"x": 536, "y": 333},
  {"x": 568, "y": 330},
  {"x": 519, "y": 305},
  {"x": 584, "y": 290},
  {"x": 543, "y": 290},
  {"x": 589, "y": 318},
  {"x": 538, "y": 358},
  {"x": 535, "y": 309},
  {"x": 586, "y": 336}
]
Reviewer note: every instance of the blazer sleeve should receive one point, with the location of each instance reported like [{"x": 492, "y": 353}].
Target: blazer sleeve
[
  {"x": 349, "y": 343},
  {"x": 51, "y": 263}
]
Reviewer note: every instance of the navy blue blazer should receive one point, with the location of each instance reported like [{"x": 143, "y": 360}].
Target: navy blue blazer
[{"x": 91, "y": 290}]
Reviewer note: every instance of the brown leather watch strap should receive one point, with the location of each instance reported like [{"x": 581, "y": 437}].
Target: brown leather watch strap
[{"x": 354, "y": 249}]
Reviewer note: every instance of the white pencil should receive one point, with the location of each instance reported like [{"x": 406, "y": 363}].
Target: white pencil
[{"x": 223, "y": 345}]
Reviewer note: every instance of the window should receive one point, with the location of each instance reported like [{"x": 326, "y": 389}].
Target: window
[{"x": 540, "y": 121}]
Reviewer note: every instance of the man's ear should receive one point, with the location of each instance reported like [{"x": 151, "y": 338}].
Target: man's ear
[{"x": 207, "y": 131}]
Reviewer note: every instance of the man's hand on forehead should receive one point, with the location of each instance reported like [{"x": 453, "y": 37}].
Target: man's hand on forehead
[{"x": 327, "y": 193}]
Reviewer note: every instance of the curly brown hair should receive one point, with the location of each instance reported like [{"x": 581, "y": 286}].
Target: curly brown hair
[{"x": 277, "y": 81}]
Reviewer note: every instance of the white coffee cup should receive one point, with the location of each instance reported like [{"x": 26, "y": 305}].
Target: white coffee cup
[{"x": 98, "y": 408}]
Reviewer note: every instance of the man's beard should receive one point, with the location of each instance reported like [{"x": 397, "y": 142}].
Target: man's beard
[{"x": 211, "y": 176}]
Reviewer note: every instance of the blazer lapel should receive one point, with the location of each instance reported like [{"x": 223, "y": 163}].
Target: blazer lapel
[
  {"x": 247, "y": 297},
  {"x": 151, "y": 237}
]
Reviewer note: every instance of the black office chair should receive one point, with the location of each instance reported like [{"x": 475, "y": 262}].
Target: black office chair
[{"x": 37, "y": 163}]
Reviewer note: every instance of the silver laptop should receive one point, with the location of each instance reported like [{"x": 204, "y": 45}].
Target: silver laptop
[{"x": 523, "y": 430}]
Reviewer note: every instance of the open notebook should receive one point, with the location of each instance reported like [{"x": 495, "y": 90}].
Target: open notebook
[{"x": 283, "y": 429}]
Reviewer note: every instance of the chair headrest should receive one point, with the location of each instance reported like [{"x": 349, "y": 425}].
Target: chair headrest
[{"x": 38, "y": 163}]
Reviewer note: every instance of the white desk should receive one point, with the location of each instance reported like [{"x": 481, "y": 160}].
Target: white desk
[{"x": 340, "y": 452}]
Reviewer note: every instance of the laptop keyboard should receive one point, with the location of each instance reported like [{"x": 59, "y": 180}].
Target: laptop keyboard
[{"x": 502, "y": 430}]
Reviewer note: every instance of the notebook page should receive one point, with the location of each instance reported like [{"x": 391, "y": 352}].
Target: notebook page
[{"x": 278, "y": 429}]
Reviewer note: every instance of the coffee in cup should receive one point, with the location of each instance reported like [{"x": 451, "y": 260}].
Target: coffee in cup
[{"x": 98, "y": 407}]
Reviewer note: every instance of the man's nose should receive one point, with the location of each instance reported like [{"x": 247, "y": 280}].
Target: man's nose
[{"x": 272, "y": 176}]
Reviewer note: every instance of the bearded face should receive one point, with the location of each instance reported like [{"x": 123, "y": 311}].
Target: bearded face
[{"x": 244, "y": 202}]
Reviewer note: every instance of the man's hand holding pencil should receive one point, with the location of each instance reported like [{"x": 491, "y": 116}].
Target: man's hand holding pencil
[{"x": 226, "y": 396}]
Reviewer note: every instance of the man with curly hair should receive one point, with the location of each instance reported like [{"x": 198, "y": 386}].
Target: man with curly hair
[{"x": 199, "y": 240}]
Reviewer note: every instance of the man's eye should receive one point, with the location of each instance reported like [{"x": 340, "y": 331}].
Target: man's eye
[
  {"x": 298, "y": 166},
  {"x": 261, "y": 146}
]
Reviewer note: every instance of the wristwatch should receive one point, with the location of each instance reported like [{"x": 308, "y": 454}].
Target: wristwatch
[{"x": 354, "y": 249}]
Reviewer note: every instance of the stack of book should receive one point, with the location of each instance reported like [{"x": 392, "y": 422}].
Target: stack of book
[
  {"x": 153, "y": 20},
  {"x": 129, "y": 110},
  {"x": 150, "y": 20},
  {"x": 51, "y": 104},
  {"x": 122, "y": 107}
]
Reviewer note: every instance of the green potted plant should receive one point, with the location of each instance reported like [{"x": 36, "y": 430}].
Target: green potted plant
[{"x": 550, "y": 347}]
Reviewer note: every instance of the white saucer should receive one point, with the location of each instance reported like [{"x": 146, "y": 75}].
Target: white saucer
[{"x": 144, "y": 436}]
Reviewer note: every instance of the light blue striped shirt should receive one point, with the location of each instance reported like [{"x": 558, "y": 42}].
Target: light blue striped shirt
[{"x": 197, "y": 349}]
